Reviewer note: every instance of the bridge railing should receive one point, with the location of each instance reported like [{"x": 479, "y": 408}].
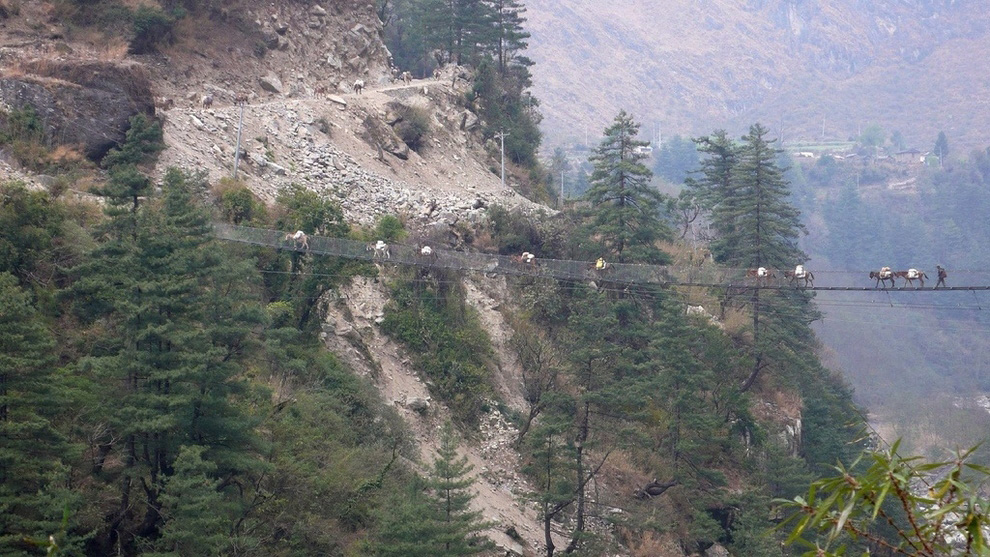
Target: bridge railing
[{"x": 708, "y": 274}]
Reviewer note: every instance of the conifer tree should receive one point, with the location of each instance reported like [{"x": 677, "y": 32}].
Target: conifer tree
[
  {"x": 755, "y": 223},
  {"x": 434, "y": 520},
  {"x": 197, "y": 518},
  {"x": 409, "y": 525},
  {"x": 625, "y": 216},
  {"x": 461, "y": 28},
  {"x": 451, "y": 484},
  {"x": 30, "y": 224},
  {"x": 31, "y": 448},
  {"x": 179, "y": 320},
  {"x": 551, "y": 463},
  {"x": 510, "y": 36},
  {"x": 715, "y": 173},
  {"x": 756, "y": 226}
]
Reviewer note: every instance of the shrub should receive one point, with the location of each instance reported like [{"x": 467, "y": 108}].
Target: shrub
[
  {"x": 513, "y": 231},
  {"x": 390, "y": 229},
  {"x": 413, "y": 127},
  {"x": 236, "y": 202},
  {"x": 449, "y": 345},
  {"x": 21, "y": 131},
  {"x": 152, "y": 28},
  {"x": 21, "y": 125}
]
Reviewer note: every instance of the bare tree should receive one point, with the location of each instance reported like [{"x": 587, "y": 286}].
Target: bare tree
[{"x": 541, "y": 362}]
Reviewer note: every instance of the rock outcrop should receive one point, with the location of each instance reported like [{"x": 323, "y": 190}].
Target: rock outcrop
[{"x": 84, "y": 103}]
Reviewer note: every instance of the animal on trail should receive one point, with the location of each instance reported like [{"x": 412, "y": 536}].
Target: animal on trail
[
  {"x": 912, "y": 275},
  {"x": 436, "y": 74},
  {"x": 525, "y": 257},
  {"x": 406, "y": 78},
  {"x": 381, "y": 250},
  {"x": 428, "y": 253},
  {"x": 208, "y": 100},
  {"x": 359, "y": 86},
  {"x": 164, "y": 103},
  {"x": 240, "y": 99},
  {"x": 299, "y": 239},
  {"x": 761, "y": 274},
  {"x": 320, "y": 91},
  {"x": 800, "y": 273},
  {"x": 883, "y": 275},
  {"x": 942, "y": 275}
]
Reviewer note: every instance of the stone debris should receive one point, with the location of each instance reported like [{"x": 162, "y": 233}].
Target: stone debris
[{"x": 292, "y": 151}]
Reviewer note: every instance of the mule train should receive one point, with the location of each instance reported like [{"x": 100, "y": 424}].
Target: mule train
[
  {"x": 909, "y": 276},
  {"x": 803, "y": 278}
]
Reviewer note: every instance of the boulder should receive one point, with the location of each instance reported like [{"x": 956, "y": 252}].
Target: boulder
[
  {"x": 379, "y": 134},
  {"x": 258, "y": 160},
  {"x": 270, "y": 37},
  {"x": 418, "y": 405},
  {"x": 717, "y": 550},
  {"x": 469, "y": 121},
  {"x": 88, "y": 103},
  {"x": 271, "y": 83}
]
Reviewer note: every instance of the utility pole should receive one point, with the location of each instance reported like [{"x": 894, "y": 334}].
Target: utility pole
[
  {"x": 561, "y": 188},
  {"x": 237, "y": 151},
  {"x": 501, "y": 135},
  {"x": 823, "y": 127}
]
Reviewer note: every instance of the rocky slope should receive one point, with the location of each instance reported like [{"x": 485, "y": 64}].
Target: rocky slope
[
  {"x": 695, "y": 66},
  {"x": 322, "y": 144}
]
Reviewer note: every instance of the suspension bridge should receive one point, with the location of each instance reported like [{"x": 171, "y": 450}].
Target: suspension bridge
[{"x": 708, "y": 276}]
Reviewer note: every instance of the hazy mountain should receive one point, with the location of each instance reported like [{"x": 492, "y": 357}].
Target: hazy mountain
[{"x": 695, "y": 65}]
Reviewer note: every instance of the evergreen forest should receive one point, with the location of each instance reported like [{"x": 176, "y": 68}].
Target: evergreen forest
[{"x": 164, "y": 393}]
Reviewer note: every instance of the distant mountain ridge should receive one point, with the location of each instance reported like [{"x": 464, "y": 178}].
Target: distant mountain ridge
[{"x": 692, "y": 66}]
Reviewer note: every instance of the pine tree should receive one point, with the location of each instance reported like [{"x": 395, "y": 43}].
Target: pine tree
[
  {"x": 941, "y": 147},
  {"x": 756, "y": 226},
  {"x": 551, "y": 462},
  {"x": 461, "y": 28},
  {"x": 30, "y": 224},
  {"x": 625, "y": 216},
  {"x": 197, "y": 518},
  {"x": 715, "y": 172},
  {"x": 180, "y": 317},
  {"x": 682, "y": 384},
  {"x": 755, "y": 223},
  {"x": 434, "y": 520},
  {"x": 409, "y": 525},
  {"x": 451, "y": 483},
  {"x": 510, "y": 36},
  {"x": 31, "y": 448}
]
